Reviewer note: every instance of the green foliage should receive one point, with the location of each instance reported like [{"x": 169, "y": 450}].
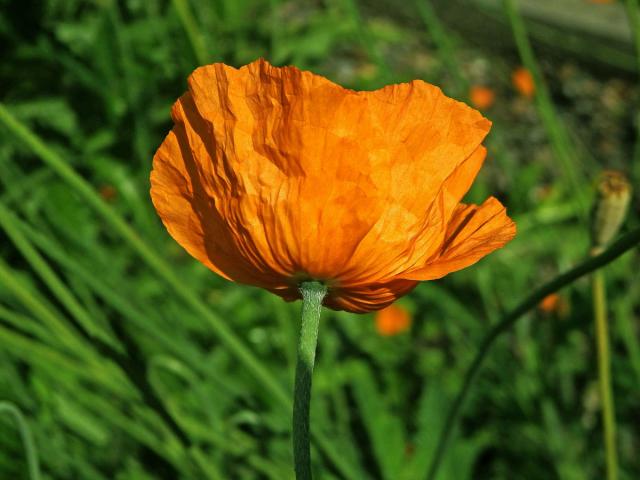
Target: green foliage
[{"x": 128, "y": 360}]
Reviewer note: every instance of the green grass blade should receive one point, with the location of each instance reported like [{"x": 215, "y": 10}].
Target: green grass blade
[
  {"x": 444, "y": 45},
  {"x": 38, "y": 307},
  {"x": 384, "y": 429},
  {"x": 54, "y": 361},
  {"x": 30, "y": 449},
  {"x": 190, "y": 26},
  {"x": 24, "y": 324},
  {"x": 633, "y": 14},
  {"x": 367, "y": 41},
  {"x": 558, "y": 136},
  {"x": 57, "y": 287},
  {"x": 117, "y": 299}
]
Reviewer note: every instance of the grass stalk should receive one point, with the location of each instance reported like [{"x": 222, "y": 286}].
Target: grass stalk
[
  {"x": 560, "y": 141},
  {"x": 100, "y": 336},
  {"x": 604, "y": 373},
  {"x": 141, "y": 139},
  {"x": 633, "y": 14},
  {"x": 190, "y": 27},
  {"x": 49, "y": 277},
  {"x": 27, "y": 440},
  {"x": 54, "y": 360},
  {"x": 61, "y": 333},
  {"x": 367, "y": 41},
  {"x": 442, "y": 41},
  {"x": 622, "y": 245},
  {"x": 136, "y": 315}
]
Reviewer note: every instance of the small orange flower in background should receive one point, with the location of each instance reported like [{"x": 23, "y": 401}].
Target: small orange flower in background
[
  {"x": 274, "y": 176},
  {"x": 392, "y": 320},
  {"x": 523, "y": 82},
  {"x": 554, "y": 304},
  {"x": 550, "y": 303},
  {"x": 481, "y": 97}
]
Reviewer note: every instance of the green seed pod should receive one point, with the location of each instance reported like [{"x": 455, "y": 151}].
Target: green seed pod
[{"x": 610, "y": 209}]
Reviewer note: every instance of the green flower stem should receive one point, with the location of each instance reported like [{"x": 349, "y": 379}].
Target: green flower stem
[
  {"x": 622, "y": 245},
  {"x": 604, "y": 373},
  {"x": 312, "y": 295}
]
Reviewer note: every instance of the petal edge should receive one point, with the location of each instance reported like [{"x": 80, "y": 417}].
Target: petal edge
[{"x": 473, "y": 232}]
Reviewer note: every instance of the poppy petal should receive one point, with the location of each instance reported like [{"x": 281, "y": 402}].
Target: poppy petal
[
  {"x": 368, "y": 298},
  {"x": 473, "y": 232},
  {"x": 188, "y": 211},
  {"x": 429, "y": 239}
]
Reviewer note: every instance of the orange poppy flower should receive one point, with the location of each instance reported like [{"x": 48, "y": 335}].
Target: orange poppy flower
[
  {"x": 523, "y": 82},
  {"x": 273, "y": 176},
  {"x": 481, "y": 97},
  {"x": 392, "y": 320}
]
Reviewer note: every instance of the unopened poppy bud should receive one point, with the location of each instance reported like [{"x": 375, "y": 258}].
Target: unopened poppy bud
[{"x": 610, "y": 209}]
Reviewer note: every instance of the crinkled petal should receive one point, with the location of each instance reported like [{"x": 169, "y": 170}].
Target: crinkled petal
[
  {"x": 182, "y": 200},
  {"x": 367, "y": 298},
  {"x": 430, "y": 238},
  {"x": 473, "y": 232}
]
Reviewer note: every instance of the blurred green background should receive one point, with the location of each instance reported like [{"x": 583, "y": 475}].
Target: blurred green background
[{"x": 129, "y": 360}]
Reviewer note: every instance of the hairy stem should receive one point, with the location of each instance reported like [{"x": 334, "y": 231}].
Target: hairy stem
[{"x": 312, "y": 295}]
